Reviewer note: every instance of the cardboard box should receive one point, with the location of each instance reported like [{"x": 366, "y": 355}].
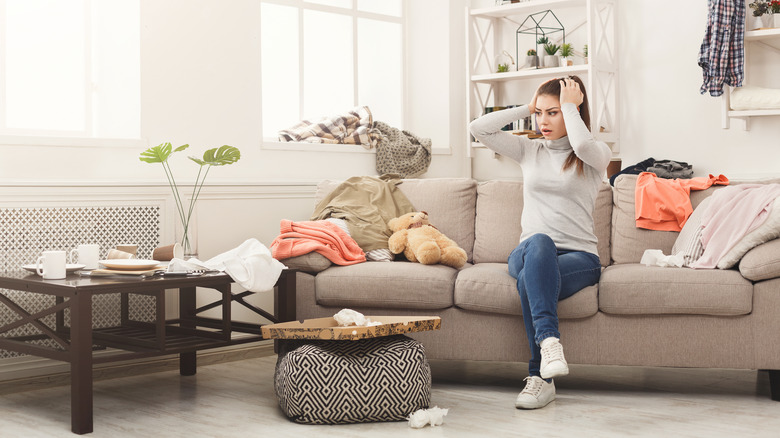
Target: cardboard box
[{"x": 328, "y": 328}]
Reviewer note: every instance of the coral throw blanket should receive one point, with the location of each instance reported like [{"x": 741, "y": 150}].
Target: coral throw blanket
[{"x": 324, "y": 237}]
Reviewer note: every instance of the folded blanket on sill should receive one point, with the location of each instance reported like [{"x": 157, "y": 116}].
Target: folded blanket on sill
[{"x": 352, "y": 127}]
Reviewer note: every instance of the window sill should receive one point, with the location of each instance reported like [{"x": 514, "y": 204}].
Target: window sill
[
  {"x": 342, "y": 148},
  {"x": 23, "y": 140}
]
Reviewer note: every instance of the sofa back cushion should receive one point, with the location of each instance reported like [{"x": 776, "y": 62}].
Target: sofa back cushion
[
  {"x": 630, "y": 242},
  {"x": 499, "y": 207},
  {"x": 450, "y": 203}
]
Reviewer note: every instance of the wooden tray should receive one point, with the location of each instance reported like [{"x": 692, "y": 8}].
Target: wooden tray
[{"x": 328, "y": 328}]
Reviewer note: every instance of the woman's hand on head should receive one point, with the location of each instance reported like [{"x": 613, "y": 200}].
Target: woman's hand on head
[{"x": 570, "y": 92}]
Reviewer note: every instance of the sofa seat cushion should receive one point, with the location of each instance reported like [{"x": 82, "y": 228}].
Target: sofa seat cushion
[
  {"x": 488, "y": 287},
  {"x": 387, "y": 285},
  {"x": 635, "y": 289}
]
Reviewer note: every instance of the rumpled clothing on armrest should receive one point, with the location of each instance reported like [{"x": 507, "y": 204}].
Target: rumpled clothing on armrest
[
  {"x": 732, "y": 213},
  {"x": 324, "y": 237},
  {"x": 367, "y": 204}
]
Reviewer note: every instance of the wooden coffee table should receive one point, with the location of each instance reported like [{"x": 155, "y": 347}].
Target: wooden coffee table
[{"x": 132, "y": 339}]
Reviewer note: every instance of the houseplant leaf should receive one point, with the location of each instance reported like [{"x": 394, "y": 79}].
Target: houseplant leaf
[
  {"x": 160, "y": 153},
  {"x": 221, "y": 156}
]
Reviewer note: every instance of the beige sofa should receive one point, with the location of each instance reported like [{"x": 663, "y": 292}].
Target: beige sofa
[{"x": 636, "y": 315}]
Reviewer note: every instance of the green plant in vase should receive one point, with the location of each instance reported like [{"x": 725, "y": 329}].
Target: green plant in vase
[
  {"x": 221, "y": 156},
  {"x": 550, "y": 60},
  {"x": 566, "y": 53},
  {"x": 531, "y": 60}
]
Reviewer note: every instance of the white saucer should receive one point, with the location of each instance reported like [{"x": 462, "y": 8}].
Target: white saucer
[
  {"x": 129, "y": 264},
  {"x": 70, "y": 267}
]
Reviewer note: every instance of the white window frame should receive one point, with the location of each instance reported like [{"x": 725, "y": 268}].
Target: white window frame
[
  {"x": 268, "y": 141},
  {"x": 34, "y": 137}
]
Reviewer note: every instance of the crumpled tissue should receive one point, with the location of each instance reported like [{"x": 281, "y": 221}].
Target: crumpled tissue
[
  {"x": 348, "y": 317},
  {"x": 422, "y": 417},
  {"x": 656, "y": 257}
]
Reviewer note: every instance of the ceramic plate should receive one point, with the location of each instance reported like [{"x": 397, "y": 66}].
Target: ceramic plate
[
  {"x": 130, "y": 264},
  {"x": 70, "y": 267}
]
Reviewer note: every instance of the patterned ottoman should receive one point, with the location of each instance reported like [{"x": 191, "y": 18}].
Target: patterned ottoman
[{"x": 334, "y": 382}]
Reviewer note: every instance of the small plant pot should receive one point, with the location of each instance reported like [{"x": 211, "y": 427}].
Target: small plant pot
[
  {"x": 551, "y": 61},
  {"x": 532, "y": 61}
]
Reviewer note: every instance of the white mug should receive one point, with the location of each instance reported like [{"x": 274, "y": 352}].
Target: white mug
[
  {"x": 52, "y": 264},
  {"x": 88, "y": 255}
]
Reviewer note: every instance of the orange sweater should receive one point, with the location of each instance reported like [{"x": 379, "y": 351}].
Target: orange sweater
[
  {"x": 665, "y": 204},
  {"x": 326, "y": 238}
]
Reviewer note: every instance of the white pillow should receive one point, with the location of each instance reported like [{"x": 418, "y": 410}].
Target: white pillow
[
  {"x": 688, "y": 242},
  {"x": 765, "y": 232},
  {"x": 753, "y": 98}
]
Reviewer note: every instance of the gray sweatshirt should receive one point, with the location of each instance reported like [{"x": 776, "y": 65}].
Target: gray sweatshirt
[{"x": 559, "y": 204}]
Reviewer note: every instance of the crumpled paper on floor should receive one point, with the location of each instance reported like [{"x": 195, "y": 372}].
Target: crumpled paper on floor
[
  {"x": 656, "y": 257},
  {"x": 348, "y": 317},
  {"x": 422, "y": 417}
]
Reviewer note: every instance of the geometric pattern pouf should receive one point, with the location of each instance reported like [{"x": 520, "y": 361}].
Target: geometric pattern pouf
[{"x": 335, "y": 382}]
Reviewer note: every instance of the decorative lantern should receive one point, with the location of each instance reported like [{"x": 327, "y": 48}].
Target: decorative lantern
[{"x": 541, "y": 25}]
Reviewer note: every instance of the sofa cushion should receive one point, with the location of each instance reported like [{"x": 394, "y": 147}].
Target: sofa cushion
[
  {"x": 388, "y": 285},
  {"x": 488, "y": 287},
  {"x": 762, "y": 262},
  {"x": 634, "y": 289},
  {"x": 497, "y": 227},
  {"x": 450, "y": 203}
]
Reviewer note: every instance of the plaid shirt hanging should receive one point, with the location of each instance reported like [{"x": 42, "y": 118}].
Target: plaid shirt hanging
[{"x": 722, "y": 53}]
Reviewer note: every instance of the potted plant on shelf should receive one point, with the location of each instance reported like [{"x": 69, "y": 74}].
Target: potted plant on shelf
[
  {"x": 531, "y": 59},
  {"x": 221, "y": 156},
  {"x": 550, "y": 60},
  {"x": 504, "y": 62},
  {"x": 585, "y": 51},
  {"x": 774, "y": 8},
  {"x": 567, "y": 55},
  {"x": 759, "y": 8}
]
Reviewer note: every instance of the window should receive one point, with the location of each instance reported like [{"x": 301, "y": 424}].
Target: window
[
  {"x": 70, "y": 68},
  {"x": 323, "y": 57}
]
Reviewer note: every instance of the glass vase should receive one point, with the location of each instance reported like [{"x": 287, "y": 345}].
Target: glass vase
[{"x": 188, "y": 238}]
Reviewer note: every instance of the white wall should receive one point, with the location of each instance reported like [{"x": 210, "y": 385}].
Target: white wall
[{"x": 664, "y": 116}]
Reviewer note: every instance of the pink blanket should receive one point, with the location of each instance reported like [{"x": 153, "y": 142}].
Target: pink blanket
[
  {"x": 326, "y": 238},
  {"x": 733, "y": 212}
]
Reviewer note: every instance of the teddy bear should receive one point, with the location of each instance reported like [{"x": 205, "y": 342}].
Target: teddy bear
[{"x": 421, "y": 242}]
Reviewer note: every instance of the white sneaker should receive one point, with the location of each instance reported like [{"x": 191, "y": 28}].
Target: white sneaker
[
  {"x": 536, "y": 394},
  {"x": 553, "y": 363}
]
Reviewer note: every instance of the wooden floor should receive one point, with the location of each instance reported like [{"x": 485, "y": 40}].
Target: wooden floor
[{"x": 236, "y": 399}]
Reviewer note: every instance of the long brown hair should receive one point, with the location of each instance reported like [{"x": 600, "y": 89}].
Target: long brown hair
[{"x": 553, "y": 88}]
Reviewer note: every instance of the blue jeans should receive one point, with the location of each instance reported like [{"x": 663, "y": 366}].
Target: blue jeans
[{"x": 546, "y": 275}]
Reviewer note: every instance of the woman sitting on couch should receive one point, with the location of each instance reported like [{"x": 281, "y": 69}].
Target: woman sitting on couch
[{"x": 557, "y": 253}]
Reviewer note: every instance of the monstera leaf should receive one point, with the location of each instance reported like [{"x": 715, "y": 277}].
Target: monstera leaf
[
  {"x": 160, "y": 153},
  {"x": 219, "y": 156}
]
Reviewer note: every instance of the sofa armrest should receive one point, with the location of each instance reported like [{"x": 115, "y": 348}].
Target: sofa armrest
[{"x": 761, "y": 262}]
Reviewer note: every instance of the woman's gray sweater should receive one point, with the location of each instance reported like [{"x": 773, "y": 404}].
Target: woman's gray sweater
[{"x": 555, "y": 202}]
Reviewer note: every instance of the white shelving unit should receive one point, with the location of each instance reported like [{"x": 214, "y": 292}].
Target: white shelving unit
[
  {"x": 764, "y": 38},
  {"x": 484, "y": 28}
]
